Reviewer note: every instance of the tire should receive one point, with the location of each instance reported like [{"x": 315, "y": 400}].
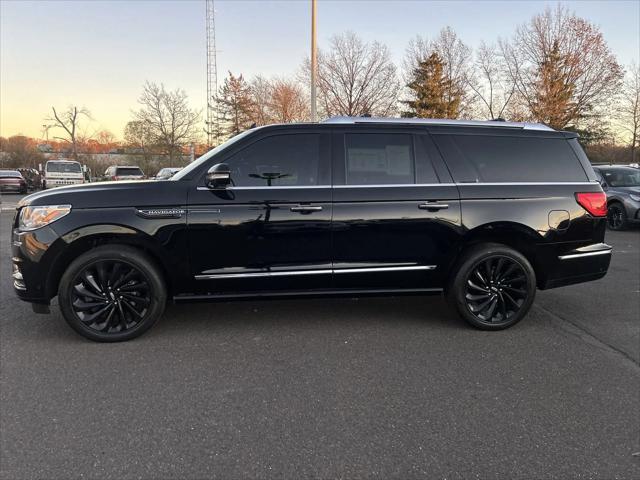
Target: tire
[
  {"x": 493, "y": 286},
  {"x": 112, "y": 293},
  {"x": 616, "y": 216}
]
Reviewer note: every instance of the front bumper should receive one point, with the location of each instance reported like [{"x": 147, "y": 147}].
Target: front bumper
[{"x": 583, "y": 264}]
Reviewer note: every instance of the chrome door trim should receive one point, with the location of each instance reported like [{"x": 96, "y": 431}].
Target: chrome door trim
[
  {"x": 313, "y": 272},
  {"x": 384, "y": 269},
  {"x": 262, "y": 274}
]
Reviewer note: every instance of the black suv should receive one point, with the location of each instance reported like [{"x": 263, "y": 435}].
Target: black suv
[{"x": 485, "y": 212}]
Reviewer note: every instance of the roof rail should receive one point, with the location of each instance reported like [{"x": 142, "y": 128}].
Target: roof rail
[{"x": 438, "y": 121}]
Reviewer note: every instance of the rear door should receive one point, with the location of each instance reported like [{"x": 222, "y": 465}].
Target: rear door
[{"x": 396, "y": 211}]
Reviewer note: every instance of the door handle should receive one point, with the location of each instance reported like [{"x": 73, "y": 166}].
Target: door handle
[
  {"x": 433, "y": 207},
  {"x": 306, "y": 208}
]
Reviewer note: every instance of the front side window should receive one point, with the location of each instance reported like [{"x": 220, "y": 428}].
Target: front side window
[
  {"x": 379, "y": 159},
  {"x": 279, "y": 160},
  {"x": 622, "y": 177}
]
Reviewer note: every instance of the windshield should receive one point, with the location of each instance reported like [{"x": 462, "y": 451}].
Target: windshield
[
  {"x": 10, "y": 173},
  {"x": 622, "y": 177},
  {"x": 128, "y": 171},
  {"x": 223, "y": 146},
  {"x": 63, "y": 167}
]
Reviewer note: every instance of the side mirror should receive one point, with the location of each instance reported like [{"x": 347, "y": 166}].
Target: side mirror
[
  {"x": 604, "y": 185},
  {"x": 219, "y": 176}
]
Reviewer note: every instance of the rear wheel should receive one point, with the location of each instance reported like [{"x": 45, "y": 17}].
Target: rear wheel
[
  {"x": 112, "y": 293},
  {"x": 616, "y": 216},
  {"x": 494, "y": 287}
]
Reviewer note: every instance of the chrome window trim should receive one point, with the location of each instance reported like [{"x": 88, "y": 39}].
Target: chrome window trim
[
  {"x": 215, "y": 276},
  {"x": 448, "y": 184},
  {"x": 387, "y": 185},
  {"x": 495, "y": 184},
  {"x": 584, "y": 254},
  {"x": 264, "y": 187}
]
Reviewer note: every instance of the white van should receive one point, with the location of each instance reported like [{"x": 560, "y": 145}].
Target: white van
[{"x": 58, "y": 173}]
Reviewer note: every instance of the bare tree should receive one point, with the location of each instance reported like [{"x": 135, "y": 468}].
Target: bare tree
[
  {"x": 69, "y": 120},
  {"x": 288, "y": 102},
  {"x": 456, "y": 58},
  {"x": 493, "y": 87},
  {"x": 585, "y": 65},
  {"x": 169, "y": 121},
  {"x": 629, "y": 110},
  {"x": 260, "y": 91},
  {"x": 356, "y": 78}
]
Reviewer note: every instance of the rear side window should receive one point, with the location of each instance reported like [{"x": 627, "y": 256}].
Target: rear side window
[
  {"x": 502, "y": 159},
  {"x": 379, "y": 159},
  {"x": 127, "y": 171}
]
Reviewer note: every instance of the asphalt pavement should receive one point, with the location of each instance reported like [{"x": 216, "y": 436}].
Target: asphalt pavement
[{"x": 330, "y": 388}]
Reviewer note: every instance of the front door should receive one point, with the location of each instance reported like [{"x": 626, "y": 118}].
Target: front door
[
  {"x": 396, "y": 213},
  {"x": 271, "y": 229}
]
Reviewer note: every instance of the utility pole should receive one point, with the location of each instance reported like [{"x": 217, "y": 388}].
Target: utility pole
[
  {"x": 213, "y": 127},
  {"x": 314, "y": 63}
]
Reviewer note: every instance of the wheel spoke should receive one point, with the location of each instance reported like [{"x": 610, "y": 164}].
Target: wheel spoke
[
  {"x": 82, "y": 291},
  {"x": 82, "y": 306},
  {"x": 135, "y": 299},
  {"x": 134, "y": 286},
  {"x": 492, "y": 308},
  {"x": 475, "y": 298},
  {"x": 91, "y": 282},
  {"x": 477, "y": 287}
]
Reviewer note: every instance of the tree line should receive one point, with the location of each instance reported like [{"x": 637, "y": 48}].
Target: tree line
[{"x": 556, "y": 69}]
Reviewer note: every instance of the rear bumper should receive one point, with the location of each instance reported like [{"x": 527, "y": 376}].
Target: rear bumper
[{"x": 583, "y": 264}]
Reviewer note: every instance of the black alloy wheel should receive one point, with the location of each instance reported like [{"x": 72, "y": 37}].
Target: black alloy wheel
[
  {"x": 616, "y": 217},
  {"x": 496, "y": 289},
  {"x": 111, "y": 296},
  {"x": 112, "y": 293},
  {"x": 493, "y": 287}
]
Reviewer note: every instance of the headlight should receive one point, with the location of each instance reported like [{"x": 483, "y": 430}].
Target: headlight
[
  {"x": 635, "y": 197},
  {"x": 36, "y": 217}
]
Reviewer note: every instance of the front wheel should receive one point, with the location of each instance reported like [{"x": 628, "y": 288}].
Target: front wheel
[
  {"x": 494, "y": 287},
  {"x": 112, "y": 294},
  {"x": 616, "y": 217}
]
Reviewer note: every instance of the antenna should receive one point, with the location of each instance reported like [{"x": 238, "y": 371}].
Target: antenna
[{"x": 212, "y": 128}]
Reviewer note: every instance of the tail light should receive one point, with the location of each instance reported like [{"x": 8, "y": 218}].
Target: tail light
[
  {"x": 113, "y": 177},
  {"x": 593, "y": 202}
]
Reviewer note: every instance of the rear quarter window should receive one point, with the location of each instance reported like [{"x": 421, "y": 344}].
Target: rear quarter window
[{"x": 504, "y": 159}]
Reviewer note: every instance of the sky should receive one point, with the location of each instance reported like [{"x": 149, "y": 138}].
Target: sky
[{"x": 99, "y": 53}]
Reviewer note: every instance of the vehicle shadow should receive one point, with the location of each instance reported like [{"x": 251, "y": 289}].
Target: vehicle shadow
[{"x": 308, "y": 313}]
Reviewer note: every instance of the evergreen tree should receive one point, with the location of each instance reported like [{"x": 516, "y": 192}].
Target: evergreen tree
[
  {"x": 552, "y": 103},
  {"x": 432, "y": 91},
  {"x": 235, "y": 105}
]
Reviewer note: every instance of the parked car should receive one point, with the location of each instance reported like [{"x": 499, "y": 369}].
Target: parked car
[
  {"x": 12, "y": 181},
  {"x": 484, "y": 212},
  {"x": 123, "y": 173},
  {"x": 167, "y": 173},
  {"x": 32, "y": 177},
  {"x": 622, "y": 186},
  {"x": 59, "y": 173}
]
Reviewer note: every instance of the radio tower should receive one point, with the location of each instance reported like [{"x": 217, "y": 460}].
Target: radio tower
[{"x": 212, "y": 128}]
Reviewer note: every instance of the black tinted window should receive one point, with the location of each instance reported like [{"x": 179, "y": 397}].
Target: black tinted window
[
  {"x": 476, "y": 158},
  {"x": 278, "y": 161},
  {"x": 379, "y": 159}
]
